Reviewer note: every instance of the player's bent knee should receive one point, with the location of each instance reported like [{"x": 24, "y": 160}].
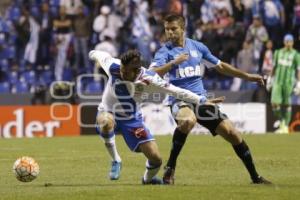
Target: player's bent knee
[
  {"x": 106, "y": 123},
  {"x": 107, "y": 128},
  {"x": 186, "y": 125}
]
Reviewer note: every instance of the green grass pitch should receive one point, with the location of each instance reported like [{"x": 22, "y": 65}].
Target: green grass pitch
[{"x": 77, "y": 168}]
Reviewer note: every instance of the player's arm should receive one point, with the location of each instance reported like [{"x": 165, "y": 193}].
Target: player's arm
[
  {"x": 179, "y": 93},
  {"x": 229, "y": 70},
  {"x": 162, "y": 70},
  {"x": 189, "y": 96},
  {"x": 211, "y": 61},
  {"x": 102, "y": 59},
  {"x": 162, "y": 65}
]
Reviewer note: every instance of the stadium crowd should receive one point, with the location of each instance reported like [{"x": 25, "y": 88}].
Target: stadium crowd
[{"x": 46, "y": 40}]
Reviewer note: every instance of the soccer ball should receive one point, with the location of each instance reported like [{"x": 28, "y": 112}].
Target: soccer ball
[{"x": 26, "y": 169}]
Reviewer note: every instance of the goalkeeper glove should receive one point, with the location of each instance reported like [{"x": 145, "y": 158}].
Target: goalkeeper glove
[
  {"x": 269, "y": 83},
  {"x": 297, "y": 88}
]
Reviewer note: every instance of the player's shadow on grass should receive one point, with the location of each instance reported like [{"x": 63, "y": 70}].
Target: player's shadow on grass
[{"x": 88, "y": 184}]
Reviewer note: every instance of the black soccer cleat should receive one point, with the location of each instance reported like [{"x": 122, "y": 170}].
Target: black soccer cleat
[
  {"x": 168, "y": 177},
  {"x": 261, "y": 180}
]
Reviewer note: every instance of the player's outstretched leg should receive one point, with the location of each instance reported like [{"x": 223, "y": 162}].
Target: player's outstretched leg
[
  {"x": 185, "y": 122},
  {"x": 229, "y": 133},
  {"x": 105, "y": 127},
  {"x": 153, "y": 163}
]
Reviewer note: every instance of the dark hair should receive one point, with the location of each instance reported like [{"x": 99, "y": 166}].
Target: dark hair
[
  {"x": 131, "y": 56},
  {"x": 175, "y": 17}
]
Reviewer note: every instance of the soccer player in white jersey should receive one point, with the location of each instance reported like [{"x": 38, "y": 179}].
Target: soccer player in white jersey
[
  {"x": 119, "y": 109},
  {"x": 182, "y": 61}
]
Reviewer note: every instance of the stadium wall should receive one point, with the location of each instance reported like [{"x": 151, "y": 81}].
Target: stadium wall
[{"x": 63, "y": 119}]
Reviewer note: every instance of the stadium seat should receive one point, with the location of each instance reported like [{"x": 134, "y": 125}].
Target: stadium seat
[
  {"x": 54, "y": 11},
  {"x": 94, "y": 87},
  {"x": 13, "y": 77},
  {"x": 21, "y": 87},
  {"x": 68, "y": 74},
  {"x": 29, "y": 77},
  {"x": 4, "y": 65},
  {"x": 11, "y": 52},
  {"x": 54, "y": 3},
  {"x": 4, "y": 26},
  {"x": 225, "y": 84},
  {"x": 47, "y": 77},
  {"x": 4, "y": 87},
  {"x": 208, "y": 84},
  {"x": 14, "y": 13},
  {"x": 34, "y": 11}
]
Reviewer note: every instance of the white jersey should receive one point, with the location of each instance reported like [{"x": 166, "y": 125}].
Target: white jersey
[{"x": 123, "y": 97}]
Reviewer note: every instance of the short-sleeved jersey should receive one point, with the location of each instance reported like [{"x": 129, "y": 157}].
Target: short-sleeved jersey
[
  {"x": 286, "y": 62},
  {"x": 188, "y": 74},
  {"x": 122, "y": 97}
]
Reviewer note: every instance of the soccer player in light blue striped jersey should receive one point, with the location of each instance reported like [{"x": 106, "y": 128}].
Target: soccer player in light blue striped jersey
[{"x": 181, "y": 61}]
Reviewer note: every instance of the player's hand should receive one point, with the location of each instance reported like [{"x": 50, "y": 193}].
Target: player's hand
[
  {"x": 297, "y": 88},
  {"x": 255, "y": 78},
  {"x": 269, "y": 83},
  {"x": 215, "y": 100},
  {"x": 181, "y": 58}
]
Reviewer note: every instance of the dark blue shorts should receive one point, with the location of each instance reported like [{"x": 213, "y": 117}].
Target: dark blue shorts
[{"x": 133, "y": 130}]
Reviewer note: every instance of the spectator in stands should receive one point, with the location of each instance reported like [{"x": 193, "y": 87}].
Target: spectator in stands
[
  {"x": 207, "y": 12},
  {"x": 266, "y": 59},
  {"x": 223, "y": 20},
  {"x": 296, "y": 19},
  {"x": 211, "y": 39},
  {"x": 33, "y": 43},
  {"x": 46, "y": 23},
  {"x": 23, "y": 33},
  {"x": 107, "y": 20},
  {"x": 141, "y": 32},
  {"x": 257, "y": 35},
  {"x": 238, "y": 10},
  {"x": 248, "y": 4},
  {"x": 222, "y": 4},
  {"x": 231, "y": 40},
  {"x": 63, "y": 29},
  {"x": 72, "y": 7},
  {"x": 175, "y": 6},
  {"x": 245, "y": 62},
  {"x": 273, "y": 16},
  {"x": 107, "y": 45},
  {"x": 81, "y": 36},
  {"x": 122, "y": 8}
]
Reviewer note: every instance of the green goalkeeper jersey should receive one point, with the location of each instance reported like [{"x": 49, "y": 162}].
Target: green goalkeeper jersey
[{"x": 287, "y": 62}]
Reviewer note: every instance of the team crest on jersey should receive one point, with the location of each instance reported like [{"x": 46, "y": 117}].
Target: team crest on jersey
[{"x": 194, "y": 53}]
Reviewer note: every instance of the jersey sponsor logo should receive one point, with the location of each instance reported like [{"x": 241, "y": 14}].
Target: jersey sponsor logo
[
  {"x": 285, "y": 62},
  {"x": 190, "y": 71},
  {"x": 194, "y": 53}
]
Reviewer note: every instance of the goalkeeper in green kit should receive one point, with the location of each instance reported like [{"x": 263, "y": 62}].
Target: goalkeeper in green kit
[{"x": 286, "y": 68}]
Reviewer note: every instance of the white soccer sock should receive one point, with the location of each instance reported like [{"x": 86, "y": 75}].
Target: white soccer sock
[
  {"x": 151, "y": 171},
  {"x": 110, "y": 144}
]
